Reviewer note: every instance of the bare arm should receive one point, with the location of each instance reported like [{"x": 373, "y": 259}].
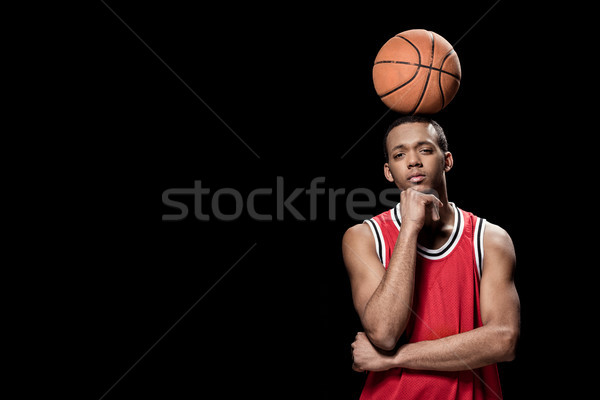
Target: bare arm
[
  {"x": 494, "y": 342},
  {"x": 383, "y": 298}
]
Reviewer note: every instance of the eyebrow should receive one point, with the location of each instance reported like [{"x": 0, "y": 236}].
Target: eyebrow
[{"x": 421, "y": 143}]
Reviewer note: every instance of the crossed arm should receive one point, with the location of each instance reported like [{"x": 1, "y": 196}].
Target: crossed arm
[{"x": 383, "y": 300}]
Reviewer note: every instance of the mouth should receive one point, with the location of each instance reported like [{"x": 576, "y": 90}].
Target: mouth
[{"x": 416, "y": 178}]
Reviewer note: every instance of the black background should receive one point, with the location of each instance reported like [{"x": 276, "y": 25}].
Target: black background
[{"x": 294, "y": 82}]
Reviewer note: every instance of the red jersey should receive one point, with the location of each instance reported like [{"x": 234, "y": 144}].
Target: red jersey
[{"x": 445, "y": 302}]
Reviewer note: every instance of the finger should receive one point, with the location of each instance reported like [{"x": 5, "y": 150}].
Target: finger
[
  {"x": 434, "y": 203},
  {"x": 356, "y": 368},
  {"x": 433, "y": 199},
  {"x": 431, "y": 194},
  {"x": 435, "y": 212}
]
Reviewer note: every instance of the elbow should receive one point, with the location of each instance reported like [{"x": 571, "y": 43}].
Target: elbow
[
  {"x": 507, "y": 344},
  {"x": 387, "y": 344},
  {"x": 383, "y": 341}
]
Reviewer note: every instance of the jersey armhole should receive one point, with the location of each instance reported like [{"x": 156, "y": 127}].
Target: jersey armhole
[
  {"x": 379, "y": 242},
  {"x": 478, "y": 244}
]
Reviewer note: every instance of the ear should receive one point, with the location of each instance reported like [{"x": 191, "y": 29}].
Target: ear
[
  {"x": 448, "y": 161},
  {"x": 387, "y": 172}
]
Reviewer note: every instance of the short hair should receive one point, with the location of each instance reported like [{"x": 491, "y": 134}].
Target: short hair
[{"x": 408, "y": 119}]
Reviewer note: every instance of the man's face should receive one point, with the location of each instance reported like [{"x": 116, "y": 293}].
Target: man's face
[{"x": 415, "y": 159}]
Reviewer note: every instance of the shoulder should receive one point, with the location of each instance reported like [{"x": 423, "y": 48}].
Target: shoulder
[
  {"x": 359, "y": 233},
  {"x": 496, "y": 238},
  {"x": 360, "y": 257},
  {"x": 358, "y": 244},
  {"x": 499, "y": 251}
]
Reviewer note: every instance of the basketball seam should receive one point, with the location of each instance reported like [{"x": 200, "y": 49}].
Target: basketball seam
[
  {"x": 419, "y": 65},
  {"x": 440, "y": 77},
  {"x": 413, "y": 77},
  {"x": 416, "y": 107}
]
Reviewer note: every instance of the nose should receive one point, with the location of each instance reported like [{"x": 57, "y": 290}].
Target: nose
[{"x": 414, "y": 161}]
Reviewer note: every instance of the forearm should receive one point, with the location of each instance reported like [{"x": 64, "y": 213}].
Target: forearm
[
  {"x": 469, "y": 350},
  {"x": 388, "y": 310}
]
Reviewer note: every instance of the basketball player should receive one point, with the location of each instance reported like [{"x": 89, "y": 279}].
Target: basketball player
[{"x": 432, "y": 284}]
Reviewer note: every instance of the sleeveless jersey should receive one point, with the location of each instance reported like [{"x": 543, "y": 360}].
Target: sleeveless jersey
[{"x": 445, "y": 302}]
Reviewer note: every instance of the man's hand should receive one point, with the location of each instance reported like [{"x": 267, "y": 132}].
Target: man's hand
[
  {"x": 416, "y": 206},
  {"x": 367, "y": 357}
]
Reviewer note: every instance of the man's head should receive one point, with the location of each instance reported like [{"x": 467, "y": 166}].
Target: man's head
[
  {"x": 416, "y": 154},
  {"x": 441, "y": 136}
]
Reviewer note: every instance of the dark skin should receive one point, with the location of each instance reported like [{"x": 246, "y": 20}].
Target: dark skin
[{"x": 383, "y": 298}]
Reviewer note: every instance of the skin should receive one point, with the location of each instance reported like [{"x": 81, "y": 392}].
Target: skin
[{"x": 383, "y": 298}]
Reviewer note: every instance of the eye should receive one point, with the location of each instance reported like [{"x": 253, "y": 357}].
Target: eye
[
  {"x": 399, "y": 155},
  {"x": 427, "y": 151}
]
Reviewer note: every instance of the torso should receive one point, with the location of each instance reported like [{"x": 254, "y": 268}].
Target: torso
[{"x": 446, "y": 302}]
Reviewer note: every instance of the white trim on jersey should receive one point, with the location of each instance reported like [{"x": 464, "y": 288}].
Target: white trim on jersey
[
  {"x": 478, "y": 244},
  {"x": 446, "y": 248},
  {"x": 383, "y": 253},
  {"x": 379, "y": 242},
  {"x": 453, "y": 239},
  {"x": 396, "y": 215}
]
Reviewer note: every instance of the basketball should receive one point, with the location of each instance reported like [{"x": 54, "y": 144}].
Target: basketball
[{"x": 416, "y": 72}]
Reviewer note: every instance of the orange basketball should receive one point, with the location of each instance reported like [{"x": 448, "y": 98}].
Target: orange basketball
[{"x": 416, "y": 72}]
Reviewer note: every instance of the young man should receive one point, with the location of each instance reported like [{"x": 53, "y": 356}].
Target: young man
[{"x": 432, "y": 284}]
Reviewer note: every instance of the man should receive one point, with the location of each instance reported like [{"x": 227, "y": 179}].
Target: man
[{"x": 432, "y": 284}]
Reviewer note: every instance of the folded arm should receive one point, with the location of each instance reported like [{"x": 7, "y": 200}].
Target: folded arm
[
  {"x": 493, "y": 342},
  {"x": 383, "y": 297}
]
